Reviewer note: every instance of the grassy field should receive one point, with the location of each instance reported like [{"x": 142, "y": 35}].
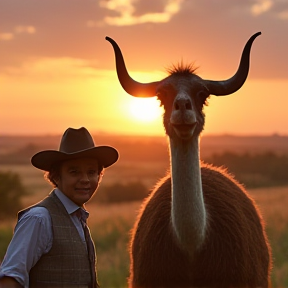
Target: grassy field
[
  {"x": 110, "y": 227},
  {"x": 273, "y": 203},
  {"x": 111, "y": 224}
]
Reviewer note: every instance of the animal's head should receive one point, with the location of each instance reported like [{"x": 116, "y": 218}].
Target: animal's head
[{"x": 183, "y": 93}]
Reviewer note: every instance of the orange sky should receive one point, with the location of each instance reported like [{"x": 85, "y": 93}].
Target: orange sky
[{"x": 57, "y": 70}]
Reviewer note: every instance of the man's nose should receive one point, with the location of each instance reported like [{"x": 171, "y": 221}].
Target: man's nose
[{"x": 84, "y": 177}]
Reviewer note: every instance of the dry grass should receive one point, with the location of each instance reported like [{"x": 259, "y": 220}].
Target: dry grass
[
  {"x": 273, "y": 203},
  {"x": 116, "y": 221},
  {"x": 110, "y": 227},
  {"x": 102, "y": 213},
  {"x": 111, "y": 224}
]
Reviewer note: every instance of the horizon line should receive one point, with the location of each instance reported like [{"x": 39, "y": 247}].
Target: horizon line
[{"x": 102, "y": 133}]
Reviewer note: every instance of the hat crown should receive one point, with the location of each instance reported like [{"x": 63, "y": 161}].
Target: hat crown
[
  {"x": 75, "y": 140},
  {"x": 75, "y": 143}
]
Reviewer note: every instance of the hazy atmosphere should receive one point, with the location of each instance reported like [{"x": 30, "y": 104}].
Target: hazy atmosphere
[{"x": 57, "y": 70}]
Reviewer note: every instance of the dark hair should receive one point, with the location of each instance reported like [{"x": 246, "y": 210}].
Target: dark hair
[{"x": 54, "y": 173}]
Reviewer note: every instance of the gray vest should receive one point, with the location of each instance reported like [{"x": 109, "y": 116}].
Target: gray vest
[{"x": 67, "y": 263}]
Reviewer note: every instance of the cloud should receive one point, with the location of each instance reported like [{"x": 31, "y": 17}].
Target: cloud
[
  {"x": 126, "y": 9},
  {"x": 277, "y": 8},
  {"x": 25, "y": 29},
  {"x": 7, "y": 36},
  {"x": 49, "y": 68},
  {"x": 261, "y": 7},
  {"x": 283, "y": 15}
]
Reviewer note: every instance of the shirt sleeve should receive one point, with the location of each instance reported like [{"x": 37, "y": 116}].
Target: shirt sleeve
[{"x": 32, "y": 238}]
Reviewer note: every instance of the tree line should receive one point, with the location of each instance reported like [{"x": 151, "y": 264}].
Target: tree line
[{"x": 252, "y": 170}]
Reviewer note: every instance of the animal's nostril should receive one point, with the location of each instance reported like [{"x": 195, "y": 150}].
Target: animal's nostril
[{"x": 185, "y": 105}]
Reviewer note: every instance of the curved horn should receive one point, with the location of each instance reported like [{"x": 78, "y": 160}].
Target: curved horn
[
  {"x": 131, "y": 86},
  {"x": 229, "y": 86}
]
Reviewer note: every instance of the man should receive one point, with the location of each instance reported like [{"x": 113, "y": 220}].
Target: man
[{"x": 51, "y": 245}]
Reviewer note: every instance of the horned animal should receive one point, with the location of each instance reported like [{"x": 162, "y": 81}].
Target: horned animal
[{"x": 198, "y": 227}]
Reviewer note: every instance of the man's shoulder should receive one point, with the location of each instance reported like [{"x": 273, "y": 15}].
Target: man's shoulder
[
  {"x": 38, "y": 209},
  {"x": 36, "y": 212}
]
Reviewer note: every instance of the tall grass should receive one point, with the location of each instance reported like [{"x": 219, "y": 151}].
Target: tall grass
[
  {"x": 111, "y": 224},
  {"x": 279, "y": 244},
  {"x": 273, "y": 203},
  {"x": 111, "y": 240},
  {"x": 110, "y": 227}
]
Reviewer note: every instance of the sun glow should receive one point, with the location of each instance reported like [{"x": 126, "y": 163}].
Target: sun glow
[{"x": 145, "y": 109}]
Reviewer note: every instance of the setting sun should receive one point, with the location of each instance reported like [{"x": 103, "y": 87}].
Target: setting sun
[{"x": 145, "y": 109}]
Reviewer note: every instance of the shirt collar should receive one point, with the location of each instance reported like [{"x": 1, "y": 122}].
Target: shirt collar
[{"x": 69, "y": 205}]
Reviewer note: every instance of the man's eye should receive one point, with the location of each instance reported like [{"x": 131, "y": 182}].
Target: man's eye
[{"x": 92, "y": 172}]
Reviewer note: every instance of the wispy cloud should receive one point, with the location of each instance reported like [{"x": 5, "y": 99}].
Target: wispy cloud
[
  {"x": 283, "y": 15},
  {"x": 261, "y": 7},
  {"x": 53, "y": 69},
  {"x": 126, "y": 9},
  {"x": 6, "y": 36},
  {"x": 25, "y": 29},
  {"x": 272, "y": 6},
  {"x": 20, "y": 29}
]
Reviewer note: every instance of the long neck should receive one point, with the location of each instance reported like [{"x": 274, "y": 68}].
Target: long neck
[{"x": 188, "y": 213}]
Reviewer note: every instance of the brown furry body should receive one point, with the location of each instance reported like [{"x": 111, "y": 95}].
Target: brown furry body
[{"x": 235, "y": 251}]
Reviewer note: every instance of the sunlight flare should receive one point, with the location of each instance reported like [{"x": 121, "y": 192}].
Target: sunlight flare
[{"x": 145, "y": 109}]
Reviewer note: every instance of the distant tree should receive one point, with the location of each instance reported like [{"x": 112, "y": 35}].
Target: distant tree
[
  {"x": 11, "y": 192},
  {"x": 20, "y": 156},
  {"x": 254, "y": 170}
]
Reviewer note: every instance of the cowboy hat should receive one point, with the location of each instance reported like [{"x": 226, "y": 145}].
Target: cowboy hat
[{"x": 75, "y": 143}]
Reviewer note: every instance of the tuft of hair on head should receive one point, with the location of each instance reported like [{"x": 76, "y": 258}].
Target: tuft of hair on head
[{"x": 182, "y": 69}]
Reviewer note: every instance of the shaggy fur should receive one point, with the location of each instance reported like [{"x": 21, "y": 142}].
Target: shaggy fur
[
  {"x": 182, "y": 69},
  {"x": 235, "y": 230}
]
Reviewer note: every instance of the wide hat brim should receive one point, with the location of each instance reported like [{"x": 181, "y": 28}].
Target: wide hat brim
[{"x": 105, "y": 155}]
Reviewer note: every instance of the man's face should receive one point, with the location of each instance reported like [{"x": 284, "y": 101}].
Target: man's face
[{"x": 78, "y": 179}]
